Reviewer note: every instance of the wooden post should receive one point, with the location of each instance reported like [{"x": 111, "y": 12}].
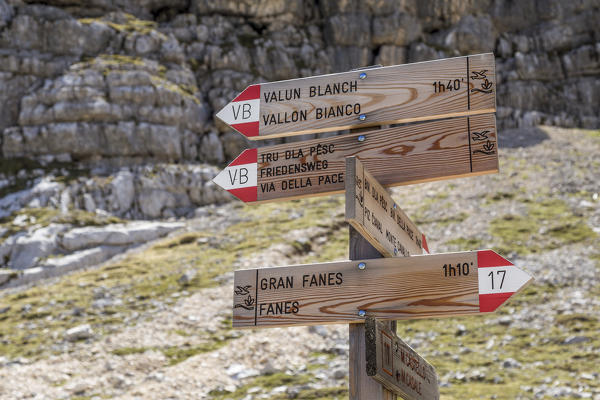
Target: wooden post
[{"x": 362, "y": 386}]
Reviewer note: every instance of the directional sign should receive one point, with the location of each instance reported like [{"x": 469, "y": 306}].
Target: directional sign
[
  {"x": 452, "y": 148},
  {"x": 371, "y": 211},
  {"x": 437, "y": 285},
  {"x": 367, "y": 97},
  {"x": 396, "y": 365}
]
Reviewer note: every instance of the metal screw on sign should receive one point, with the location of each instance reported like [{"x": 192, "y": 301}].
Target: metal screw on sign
[
  {"x": 362, "y": 313},
  {"x": 362, "y": 75},
  {"x": 361, "y": 138},
  {"x": 362, "y": 265},
  {"x": 362, "y": 117}
]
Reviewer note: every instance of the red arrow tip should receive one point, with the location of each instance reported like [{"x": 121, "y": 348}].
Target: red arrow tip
[
  {"x": 489, "y": 258},
  {"x": 248, "y": 129},
  {"x": 490, "y": 302},
  {"x": 252, "y": 92},
  {"x": 246, "y": 195},
  {"x": 425, "y": 247},
  {"x": 248, "y": 156}
]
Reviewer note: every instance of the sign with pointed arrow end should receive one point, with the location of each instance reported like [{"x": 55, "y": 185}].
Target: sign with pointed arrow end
[
  {"x": 438, "y": 285},
  {"x": 460, "y": 86}
]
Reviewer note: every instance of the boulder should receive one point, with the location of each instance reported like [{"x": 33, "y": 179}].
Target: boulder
[
  {"x": 6, "y": 276},
  {"x": 348, "y": 30},
  {"x": 397, "y": 29},
  {"x": 472, "y": 35},
  {"x": 81, "y": 259},
  {"x": 29, "y": 249},
  {"x": 116, "y": 234},
  {"x": 153, "y": 201},
  {"x": 80, "y": 332},
  {"x": 211, "y": 149},
  {"x": 123, "y": 189}
]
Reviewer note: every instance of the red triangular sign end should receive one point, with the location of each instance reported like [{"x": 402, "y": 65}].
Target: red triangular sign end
[
  {"x": 489, "y": 258},
  {"x": 252, "y": 92},
  {"x": 490, "y": 302},
  {"x": 246, "y": 195},
  {"x": 425, "y": 247},
  {"x": 248, "y": 129}
]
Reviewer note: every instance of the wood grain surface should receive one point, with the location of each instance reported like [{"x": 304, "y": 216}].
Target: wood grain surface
[
  {"x": 360, "y": 385},
  {"x": 371, "y": 210},
  {"x": 389, "y": 288},
  {"x": 457, "y": 147},
  {"x": 396, "y": 365},
  {"x": 386, "y": 95}
]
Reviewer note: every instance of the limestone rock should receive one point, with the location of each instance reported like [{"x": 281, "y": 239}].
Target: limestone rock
[
  {"x": 472, "y": 35},
  {"x": 29, "y": 249},
  {"x": 129, "y": 84},
  {"x": 391, "y": 55},
  {"x": 348, "y": 30},
  {"x": 81, "y": 259},
  {"x": 187, "y": 277},
  {"x": 116, "y": 234},
  {"x": 211, "y": 149},
  {"x": 287, "y": 10},
  {"x": 396, "y": 29},
  {"x": 123, "y": 189},
  {"x": 6, "y": 275},
  {"x": 80, "y": 332}
]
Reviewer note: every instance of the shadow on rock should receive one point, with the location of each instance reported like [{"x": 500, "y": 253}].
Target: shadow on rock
[{"x": 521, "y": 137}]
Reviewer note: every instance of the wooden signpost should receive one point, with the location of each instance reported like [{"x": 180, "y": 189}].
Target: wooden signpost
[
  {"x": 457, "y": 147},
  {"x": 439, "y": 285},
  {"x": 368, "y": 287},
  {"x": 445, "y": 88},
  {"x": 396, "y": 365},
  {"x": 372, "y": 211}
]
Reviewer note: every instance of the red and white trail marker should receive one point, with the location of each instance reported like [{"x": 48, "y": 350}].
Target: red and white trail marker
[
  {"x": 395, "y": 156},
  {"x": 496, "y": 284},
  {"x": 460, "y": 86},
  {"x": 421, "y": 286},
  {"x": 242, "y": 113}
]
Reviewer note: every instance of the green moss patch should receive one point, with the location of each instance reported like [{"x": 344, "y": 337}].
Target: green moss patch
[
  {"x": 541, "y": 353},
  {"x": 45, "y": 216},
  {"x": 129, "y": 24},
  {"x": 463, "y": 244},
  {"x": 142, "y": 279},
  {"x": 549, "y": 224},
  {"x": 452, "y": 219},
  {"x": 138, "y": 280}
]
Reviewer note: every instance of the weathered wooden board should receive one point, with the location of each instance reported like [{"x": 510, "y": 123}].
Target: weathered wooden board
[
  {"x": 371, "y": 210},
  {"x": 396, "y": 365},
  {"x": 437, "y": 285},
  {"x": 368, "y": 97},
  {"x": 427, "y": 151}
]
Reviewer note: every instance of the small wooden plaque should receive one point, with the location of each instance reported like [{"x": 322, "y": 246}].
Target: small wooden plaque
[{"x": 396, "y": 365}]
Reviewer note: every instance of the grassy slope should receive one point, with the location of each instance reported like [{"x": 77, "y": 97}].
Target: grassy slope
[{"x": 32, "y": 322}]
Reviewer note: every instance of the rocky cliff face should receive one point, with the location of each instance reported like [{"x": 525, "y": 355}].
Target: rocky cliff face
[{"x": 118, "y": 84}]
